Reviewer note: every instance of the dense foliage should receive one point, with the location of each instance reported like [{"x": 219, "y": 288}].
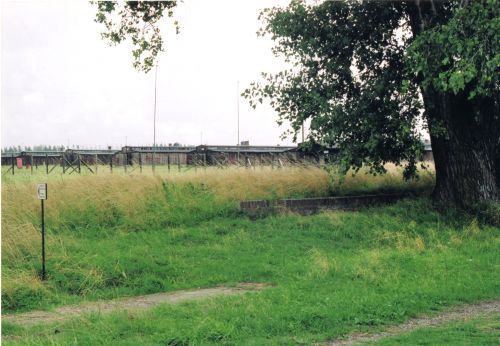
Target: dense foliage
[
  {"x": 370, "y": 75},
  {"x": 463, "y": 54},
  {"x": 346, "y": 78}
]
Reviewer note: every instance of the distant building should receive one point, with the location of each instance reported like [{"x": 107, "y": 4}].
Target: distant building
[{"x": 212, "y": 155}]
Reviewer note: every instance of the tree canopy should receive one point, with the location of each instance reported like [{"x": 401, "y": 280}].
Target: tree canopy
[
  {"x": 347, "y": 72},
  {"x": 463, "y": 54},
  {"x": 369, "y": 75},
  {"x": 137, "y": 21}
]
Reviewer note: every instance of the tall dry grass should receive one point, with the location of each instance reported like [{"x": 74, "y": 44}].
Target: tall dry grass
[
  {"x": 80, "y": 203},
  {"x": 391, "y": 181},
  {"x": 90, "y": 204},
  {"x": 72, "y": 203},
  {"x": 233, "y": 184}
]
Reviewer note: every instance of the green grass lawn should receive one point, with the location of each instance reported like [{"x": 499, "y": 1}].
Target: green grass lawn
[
  {"x": 484, "y": 330},
  {"x": 330, "y": 274}
]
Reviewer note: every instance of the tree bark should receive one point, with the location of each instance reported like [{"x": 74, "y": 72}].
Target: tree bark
[
  {"x": 497, "y": 164},
  {"x": 463, "y": 146}
]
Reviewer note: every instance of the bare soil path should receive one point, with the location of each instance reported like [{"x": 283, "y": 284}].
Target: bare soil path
[
  {"x": 464, "y": 312},
  {"x": 126, "y": 304}
]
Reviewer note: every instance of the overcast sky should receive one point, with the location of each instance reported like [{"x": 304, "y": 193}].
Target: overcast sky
[{"x": 61, "y": 84}]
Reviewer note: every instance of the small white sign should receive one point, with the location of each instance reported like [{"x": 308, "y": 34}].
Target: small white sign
[{"x": 41, "y": 191}]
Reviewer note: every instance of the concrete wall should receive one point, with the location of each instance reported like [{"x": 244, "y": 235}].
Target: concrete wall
[{"x": 311, "y": 205}]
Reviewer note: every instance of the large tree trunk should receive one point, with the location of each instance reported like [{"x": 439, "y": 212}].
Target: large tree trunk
[
  {"x": 463, "y": 133},
  {"x": 463, "y": 146},
  {"x": 497, "y": 164}
]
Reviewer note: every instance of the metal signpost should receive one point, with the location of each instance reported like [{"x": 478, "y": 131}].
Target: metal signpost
[{"x": 41, "y": 191}]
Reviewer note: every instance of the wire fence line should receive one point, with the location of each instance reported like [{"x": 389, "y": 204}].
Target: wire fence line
[{"x": 139, "y": 159}]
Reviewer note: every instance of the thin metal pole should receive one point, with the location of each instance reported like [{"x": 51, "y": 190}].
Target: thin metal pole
[
  {"x": 154, "y": 120},
  {"x": 238, "y": 108},
  {"x": 12, "y": 156},
  {"x": 43, "y": 242},
  {"x": 47, "y": 163},
  {"x": 31, "y": 163}
]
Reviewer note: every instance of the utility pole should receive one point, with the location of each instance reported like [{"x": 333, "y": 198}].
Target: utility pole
[
  {"x": 238, "y": 111},
  {"x": 154, "y": 120}
]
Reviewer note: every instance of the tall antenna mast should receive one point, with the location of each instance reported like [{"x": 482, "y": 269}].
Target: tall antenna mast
[
  {"x": 154, "y": 120},
  {"x": 238, "y": 105}
]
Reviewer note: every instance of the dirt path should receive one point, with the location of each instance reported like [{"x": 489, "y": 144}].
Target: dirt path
[
  {"x": 463, "y": 312},
  {"x": 127, "y": 304}
]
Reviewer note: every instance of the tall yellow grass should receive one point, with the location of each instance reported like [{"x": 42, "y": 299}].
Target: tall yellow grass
[
  {"x": 21, "y": 208},
  {"x": 239, "y": 183},
  {"x": 102, "y": 197},
  {"x": 72, "y": 197}
]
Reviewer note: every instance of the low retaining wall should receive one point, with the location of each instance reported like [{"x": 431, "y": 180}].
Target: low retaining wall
[{"x": 311, "y": 205}]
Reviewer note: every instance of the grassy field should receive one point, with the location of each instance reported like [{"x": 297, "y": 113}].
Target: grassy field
[{"x": 329, "y": 274}]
